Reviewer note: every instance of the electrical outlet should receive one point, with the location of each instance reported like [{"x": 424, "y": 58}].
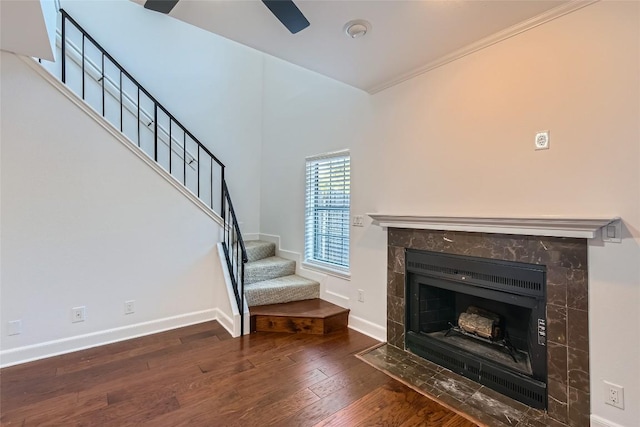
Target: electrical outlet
[
  {"x": 129, "y": 307},
  {"x": 614, "y": 395},
  {"x": 77, "y": 314},
  {"x": 542, "y": 140},
  {"x": 360, "y": 295},
  {"x": 15, "y": 327}
]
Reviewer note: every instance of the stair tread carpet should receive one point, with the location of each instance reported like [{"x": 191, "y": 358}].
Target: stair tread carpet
[
  {"x": 267, "y": 269},
  {"x": 259, "y": 249},
  {"x": 280, "y": 290}
]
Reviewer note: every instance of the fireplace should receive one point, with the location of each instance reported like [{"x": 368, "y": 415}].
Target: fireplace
[
  {"x": 566, "y": 298},
  {"x": 481, "y": 318}
]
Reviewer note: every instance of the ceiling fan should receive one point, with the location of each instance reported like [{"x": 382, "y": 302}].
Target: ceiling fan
[{"x": 285, "y": 10}]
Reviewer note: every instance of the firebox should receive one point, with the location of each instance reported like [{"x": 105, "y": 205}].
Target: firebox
[{"x": 481, "y": 318}]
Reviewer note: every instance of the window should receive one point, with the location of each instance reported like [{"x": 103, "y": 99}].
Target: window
[{"x": 327, "y": 211}]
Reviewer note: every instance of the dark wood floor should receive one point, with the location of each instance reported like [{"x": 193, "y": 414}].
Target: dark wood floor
[{"x": 201, "y": 376}]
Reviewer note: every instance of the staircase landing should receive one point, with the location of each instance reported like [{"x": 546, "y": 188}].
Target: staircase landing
[{"x": 314, "y": 316}]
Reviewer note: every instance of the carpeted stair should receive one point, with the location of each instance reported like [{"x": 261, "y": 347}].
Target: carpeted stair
[{"x": 269, "y": 279}]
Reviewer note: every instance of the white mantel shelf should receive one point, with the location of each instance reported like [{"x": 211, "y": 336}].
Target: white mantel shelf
[{"x": 543, "y": 226}]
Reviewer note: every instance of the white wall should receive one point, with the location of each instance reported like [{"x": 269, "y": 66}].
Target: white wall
[
  {"x": 306, "y": 114},
  {"x": 458, "y": 141},
  {"x": 85, "y": 222},
  {"x": 210, "y": 84}
]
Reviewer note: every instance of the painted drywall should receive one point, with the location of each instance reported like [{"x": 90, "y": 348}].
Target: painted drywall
[
  {"x": 85, "y": 222},
  {"x": 459, "y": 141},
  {"x": 307, "y": 114},
  {"x": 34, "y": 39},
  {"x": 210, "y": 84}
]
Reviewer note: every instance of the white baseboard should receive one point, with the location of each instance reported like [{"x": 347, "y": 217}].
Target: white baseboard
[
  {"x": 368, "y": 328},
  {"x": 335, "y": 298},
  {"x": 250, "y": 236},
  {"x": 597, "y": 421},
  {"x": 43, "y": 350},
  {"x": 297, "y": 257},
  {"x": 225, "y": 321}
]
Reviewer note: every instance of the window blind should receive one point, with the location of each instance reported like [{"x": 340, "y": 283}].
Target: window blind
[{"x": 328, "y": 197}]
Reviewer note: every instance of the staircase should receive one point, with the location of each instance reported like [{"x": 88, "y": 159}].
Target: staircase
[{"x": 281, "y": 301}]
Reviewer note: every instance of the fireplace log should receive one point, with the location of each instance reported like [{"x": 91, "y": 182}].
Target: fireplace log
[{"x": 480, "y": 322}]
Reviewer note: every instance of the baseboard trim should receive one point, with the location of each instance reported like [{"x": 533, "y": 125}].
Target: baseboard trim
[
  {"x": 225, "y": 321},
  {"x": 597, "y": 421},
  {"x": 368, "y": 328},
  {"x": 29, "y": 353},
  {"x": 335, "y": 298}
]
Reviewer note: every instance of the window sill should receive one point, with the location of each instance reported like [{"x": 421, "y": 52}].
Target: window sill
[{"x": 321, "y": 268}]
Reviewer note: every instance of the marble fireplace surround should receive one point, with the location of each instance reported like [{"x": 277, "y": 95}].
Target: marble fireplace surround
[{"x": 560, "y": 244}]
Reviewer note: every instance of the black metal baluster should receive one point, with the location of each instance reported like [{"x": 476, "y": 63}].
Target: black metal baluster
[
  {"x": 198, "y": 172},
  {"x": 184, "y": 157},
  {"x": 242, "y": 299},
  {"x": 222, "y": 185},
  {"x": 211, "y": 182},
  {"x": 102, "y": 81},
  {"x": 64, "y": 49},
  {"x": 83, "y": 66},
  {"x": 120, "y": 100},
  {"x": 170, "y": 152},
  {"x": 138, "y": 116},
  {"x": 155, "y": 131}
]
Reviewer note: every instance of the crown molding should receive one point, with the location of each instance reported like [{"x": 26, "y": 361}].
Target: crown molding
[{"x": 505, "y": 34}]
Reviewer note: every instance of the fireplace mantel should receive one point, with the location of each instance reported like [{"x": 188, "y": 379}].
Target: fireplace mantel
[{"x": 542, "y": 226}]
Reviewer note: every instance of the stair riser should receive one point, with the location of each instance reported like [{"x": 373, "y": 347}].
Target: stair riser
[
  {"x": 253, "y": 274},
  {"x": 260, "y": 251},
  {"x": 299, "y": 293},
  {"x": 302, "y": 325}
]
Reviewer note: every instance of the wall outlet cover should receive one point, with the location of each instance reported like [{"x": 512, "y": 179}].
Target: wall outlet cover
[{"x": 542, "y": 140}]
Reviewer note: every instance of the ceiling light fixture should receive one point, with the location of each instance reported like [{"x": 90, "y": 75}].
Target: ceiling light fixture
[{"x": 357, "y": 28}]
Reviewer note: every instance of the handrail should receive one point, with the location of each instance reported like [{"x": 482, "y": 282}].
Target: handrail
[
  {"x": 235, "y": 251},
  {"x": 130, "y": 77},
  {"x": 233, "y": 244}
]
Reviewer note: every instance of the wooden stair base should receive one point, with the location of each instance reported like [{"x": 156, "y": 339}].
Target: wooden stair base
[{"x": 313, "y": 316}]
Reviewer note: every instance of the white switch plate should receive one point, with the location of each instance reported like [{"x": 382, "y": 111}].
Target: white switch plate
[
  {"x": 612, "y": 232},
  {"x": 542, "y": 140},
  {"x": 129, "y": 307},
  {"x": 360, "y": 295},
  {"x": 15, "y": 327}
]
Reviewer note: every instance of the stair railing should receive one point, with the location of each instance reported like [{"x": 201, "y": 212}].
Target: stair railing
[
  {"x": 140, "y": 116},
  {"x": 235, "y": 251},
  {"x": 156, "y": 132}
]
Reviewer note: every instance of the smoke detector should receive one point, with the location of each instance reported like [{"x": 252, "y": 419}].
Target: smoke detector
[{"x": 357, "y": 28}]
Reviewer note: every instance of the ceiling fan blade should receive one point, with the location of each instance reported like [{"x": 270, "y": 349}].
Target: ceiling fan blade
[
  {"x": 162, "y": 6},
  {"x": 288, "y": 13}
]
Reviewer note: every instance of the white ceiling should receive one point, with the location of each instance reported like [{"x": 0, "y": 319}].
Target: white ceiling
[{"x": 406, "y": 38}]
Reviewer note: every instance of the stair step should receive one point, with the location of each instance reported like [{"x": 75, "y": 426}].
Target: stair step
[
  {"x": 259, "y": 249},
  {"x": 313, "y": 316},
  {"x": 267, "y": 269},
  {"x": 280, "y": 290}
]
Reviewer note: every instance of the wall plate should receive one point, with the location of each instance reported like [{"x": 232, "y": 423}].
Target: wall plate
[{"x": 542, "y": 140}]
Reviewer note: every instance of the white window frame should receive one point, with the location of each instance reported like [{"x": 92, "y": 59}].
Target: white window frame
[{"x": 312, "y": 260}]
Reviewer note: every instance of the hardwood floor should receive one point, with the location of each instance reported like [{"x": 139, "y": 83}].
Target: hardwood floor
[{"x": 200, "y": 376}]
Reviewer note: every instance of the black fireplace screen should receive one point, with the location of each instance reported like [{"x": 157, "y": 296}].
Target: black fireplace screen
[{"x": 482, "y": 318}]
